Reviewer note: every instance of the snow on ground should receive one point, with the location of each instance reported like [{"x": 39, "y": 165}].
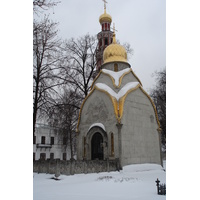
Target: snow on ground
[{"x": 134, "y": 182}]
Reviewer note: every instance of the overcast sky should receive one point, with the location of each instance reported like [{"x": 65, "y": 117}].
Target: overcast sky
[{"x": 142, "y": 23}]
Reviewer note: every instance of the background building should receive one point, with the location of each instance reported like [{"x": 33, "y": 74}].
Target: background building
[
  {"x": 50, "y": 143},
  {"x": 104, "y": 37}
]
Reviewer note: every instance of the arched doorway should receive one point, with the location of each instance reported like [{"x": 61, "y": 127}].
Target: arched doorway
[{"x": 97, "y": 146}]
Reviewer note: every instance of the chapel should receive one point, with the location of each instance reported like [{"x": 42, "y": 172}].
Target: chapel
[{"x": 118, "y": 119}]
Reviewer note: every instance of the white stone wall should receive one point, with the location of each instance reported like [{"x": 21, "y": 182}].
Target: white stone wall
[
  {"x": 97, "y": 109},
  {"x": 121, "y": 66},
  {"x": 139, "y": 136}
]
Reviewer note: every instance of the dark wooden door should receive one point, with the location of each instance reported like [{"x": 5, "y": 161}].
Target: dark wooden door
[{"x": 97, "y": 146}]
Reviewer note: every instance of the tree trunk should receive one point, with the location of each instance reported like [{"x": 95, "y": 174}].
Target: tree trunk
[{"x": 71, "y": 145}]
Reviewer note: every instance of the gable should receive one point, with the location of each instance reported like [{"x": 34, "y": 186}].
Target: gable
[{"x": 116, "y": 79}]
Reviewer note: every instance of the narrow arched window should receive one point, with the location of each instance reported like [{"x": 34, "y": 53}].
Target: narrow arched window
[
  {"x": 115, "y": 67},
  {"x": 106, "y": 41},
  {"x": 103, "y": 27},
  {"x": 84, "y": 147},
  {"x": 100, "y": 43},
  {"x": 106, "y": 26},
  {"x": 112, "y": 144}
]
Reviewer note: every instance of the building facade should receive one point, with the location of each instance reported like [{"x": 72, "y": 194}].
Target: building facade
[
  {"x": 118, "y": 119},
  {"x": 50, "y": 143}
]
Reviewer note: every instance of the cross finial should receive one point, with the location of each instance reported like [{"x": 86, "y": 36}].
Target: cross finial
[
  {"x": 114, "y": 28},
  {"x": 105, "y": 3},
  {"x": 114, "y": 39}
]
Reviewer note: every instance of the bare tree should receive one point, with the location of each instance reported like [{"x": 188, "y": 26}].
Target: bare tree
[
  {"x": 43, "y": 4},
  {"x": 46, "y": 57},
  {"x": 64, "y": 115},
  {"x": 77, "y": 73},
  {"x": 158, "y": 94},
  {"x": 129, "y": 50},
  {"x": 81, "y": 62}
]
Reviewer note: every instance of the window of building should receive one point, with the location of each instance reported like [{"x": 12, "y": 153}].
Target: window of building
[
  {"x": 115, "y": 67},
  {"x": 51, "y": 156},
  {"x": 100, "y": 43},
  {"x": 106, "y": 41},
  {"x": 64, "y": 156},
  {"x": 52, "y": 140},
  {"x": 34, "y": 139},
  {"x": 34, "y": 156},
  {"x": 112, "y": 144},
  {"x": 42, "y": 156},
  {"x": 43, "y": 140},
  {"x": 103, "y": 27},
  {"x": 64, "y": 140},
  {"x": 84, "y": 141},
  {"x": 106, "y": 26}
]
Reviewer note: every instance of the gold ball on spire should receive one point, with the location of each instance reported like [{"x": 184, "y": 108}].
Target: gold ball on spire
[{"x": 105, "y": 17}]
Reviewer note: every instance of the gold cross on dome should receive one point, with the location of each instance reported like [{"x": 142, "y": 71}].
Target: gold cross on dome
[
  {"x": 104, "y": 3},
  {"x": 114, "y": 28}
]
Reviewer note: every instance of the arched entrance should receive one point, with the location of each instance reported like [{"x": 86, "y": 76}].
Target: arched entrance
[{"x": 97, "y": 146}]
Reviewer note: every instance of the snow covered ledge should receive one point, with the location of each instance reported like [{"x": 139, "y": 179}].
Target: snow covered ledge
[
  {"x": 116, "y": 75},
  {"x": 99, "y": 125}
]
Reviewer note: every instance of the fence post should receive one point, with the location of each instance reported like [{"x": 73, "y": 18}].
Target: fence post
[
  {"x": 57, "y": 170},
  {"x": 108, "y": 167}
]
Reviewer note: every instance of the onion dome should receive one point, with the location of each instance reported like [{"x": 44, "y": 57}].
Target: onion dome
[
  {"x": 114, "y": 52},
  {"x": 105, "y": 17}
]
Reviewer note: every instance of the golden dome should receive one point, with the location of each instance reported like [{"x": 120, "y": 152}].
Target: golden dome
[
  {"x": 105, "y": 17},
  {"x": 114, "y": 52}
]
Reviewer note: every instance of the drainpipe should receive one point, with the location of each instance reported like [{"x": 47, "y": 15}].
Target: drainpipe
[{"x": 119, "y": 127}]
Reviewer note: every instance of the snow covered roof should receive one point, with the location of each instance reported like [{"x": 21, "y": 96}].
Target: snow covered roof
[
  {"x": 116, "y": 75},
  {"x": 115, "y": 98},
  {"x": 121, "y": 93}
]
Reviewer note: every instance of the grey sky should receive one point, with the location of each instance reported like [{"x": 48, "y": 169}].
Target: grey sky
[{"x": 142, "y": 23}]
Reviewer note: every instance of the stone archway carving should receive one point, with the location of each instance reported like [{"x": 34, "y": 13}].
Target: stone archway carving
[{"x": 96, "y": 135}]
